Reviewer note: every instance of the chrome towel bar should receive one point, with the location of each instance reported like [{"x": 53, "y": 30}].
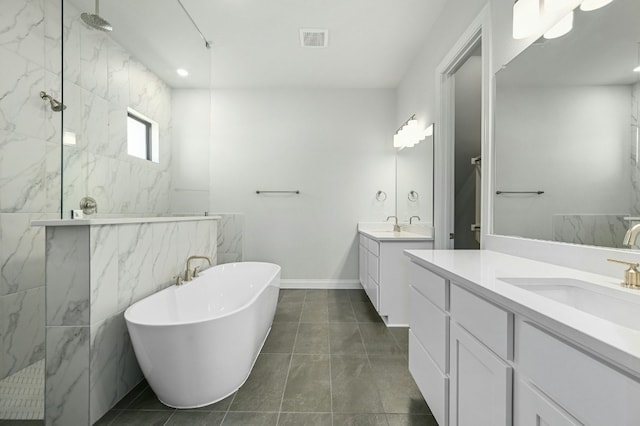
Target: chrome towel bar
[
  {"x": 519, "y": 192},
  {"x": 277, "y": 192}
]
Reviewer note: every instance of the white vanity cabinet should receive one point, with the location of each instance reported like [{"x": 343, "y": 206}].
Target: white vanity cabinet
[
  {"x": 481, "y": 344},
  {"x": 458, "y": 346},
  {"x": 481, "y": 360},
  {"x": 578, "y": 388},
  {"x": 382, "y": 272}
]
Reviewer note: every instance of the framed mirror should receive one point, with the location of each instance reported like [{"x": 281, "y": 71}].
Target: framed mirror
[
  {"x": 414, "y": 182},
  {"x": 566, "y": 133}
]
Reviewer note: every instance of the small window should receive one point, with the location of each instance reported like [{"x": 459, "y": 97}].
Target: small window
[{"x": 142, "y": 140}]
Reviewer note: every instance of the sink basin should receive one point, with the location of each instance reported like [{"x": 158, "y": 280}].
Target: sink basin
[{"x": 611, "y": 304}]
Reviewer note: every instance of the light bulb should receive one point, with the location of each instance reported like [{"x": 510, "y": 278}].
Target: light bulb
[
  {"x": 588, "y": 5},
  {"x": 526, "y": 18},
  {"x": 561, "y": 28}
]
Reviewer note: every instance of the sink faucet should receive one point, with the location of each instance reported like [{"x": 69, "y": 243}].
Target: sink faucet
[
  {"x": 631, "y": 275},
  {"x": 411, "y": 218},
  {"x": 396, "y": 227},
  {"x": 631, "y": 237},
  {"x": 188, "y": 275}
]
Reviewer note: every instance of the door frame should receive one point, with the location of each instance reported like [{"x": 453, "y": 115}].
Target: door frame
[{"x": 444, "y": 156}]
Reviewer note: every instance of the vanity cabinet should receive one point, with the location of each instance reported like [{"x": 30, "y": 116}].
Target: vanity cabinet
[
  {"x": 382, "y": 272},
  {"x": 478, "y": 363}
]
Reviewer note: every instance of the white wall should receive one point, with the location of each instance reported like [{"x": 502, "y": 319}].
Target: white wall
[
  {"x": 335, "y": 146},
  {"x": 572, "y": 143}
]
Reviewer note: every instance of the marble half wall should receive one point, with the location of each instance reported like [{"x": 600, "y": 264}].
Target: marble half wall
[
  {"x": 603, "y": 230},
  {"x": 93, "y": 273},
  {"x": 230, "y": 237}
]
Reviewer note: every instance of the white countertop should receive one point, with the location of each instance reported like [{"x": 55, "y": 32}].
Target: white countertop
[
  {"x": 479, "y": 270},
  {"x": 395, "y": 236},
  {"x": 383, "y": 231},
  {"x": 119, "y": 220}
]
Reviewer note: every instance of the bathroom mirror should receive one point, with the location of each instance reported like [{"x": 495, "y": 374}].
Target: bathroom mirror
[
  {"x": 414, "y": 182},
  {"x": 109, "y": 76},
  {"x": 566, "y": 133}
]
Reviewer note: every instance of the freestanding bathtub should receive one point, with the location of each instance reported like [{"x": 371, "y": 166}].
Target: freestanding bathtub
[{"x": 197, "y": 343}]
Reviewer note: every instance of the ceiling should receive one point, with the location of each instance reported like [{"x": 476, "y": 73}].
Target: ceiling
[{"x": 255, "y": 43}]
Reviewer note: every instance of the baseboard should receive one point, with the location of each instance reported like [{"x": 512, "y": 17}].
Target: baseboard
[{"x": 320, "y": 284}]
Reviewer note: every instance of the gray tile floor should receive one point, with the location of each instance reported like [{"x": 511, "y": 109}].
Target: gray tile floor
[{"x": 329, "y": 360}]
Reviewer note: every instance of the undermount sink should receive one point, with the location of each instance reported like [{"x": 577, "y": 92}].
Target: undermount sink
[{"x": 610, "y": 304}]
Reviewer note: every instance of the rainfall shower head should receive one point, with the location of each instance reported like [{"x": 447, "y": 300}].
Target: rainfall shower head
[
  {"x": 95, "y": 20},
  {"x": 56, "y": 106}
]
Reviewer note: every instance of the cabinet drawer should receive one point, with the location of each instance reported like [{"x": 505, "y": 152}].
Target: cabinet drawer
[
  {"x": 490, "y": 324},
  {"x": 374, "y": 247},
  {"x": 430, "y": 326},
  {"x": 432, "y": 286},
  {"x": 433, "y": 385},
  {"x": 589, "y": 390},
  {"x": 373, "y": 267}
]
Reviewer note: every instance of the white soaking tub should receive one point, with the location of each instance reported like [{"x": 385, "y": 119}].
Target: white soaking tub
[{"x": 197, "y": 343}]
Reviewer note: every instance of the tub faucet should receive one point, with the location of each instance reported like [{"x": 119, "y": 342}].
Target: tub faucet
[
  {"x": 188, "y": 275},
  {"x": 396, "y": 227},
  {"x": 631, "y": 237},
  {"x": 411, "y": 218}
]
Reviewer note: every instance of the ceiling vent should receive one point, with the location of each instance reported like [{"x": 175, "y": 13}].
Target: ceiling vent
[{"x": 314, "y": 38}]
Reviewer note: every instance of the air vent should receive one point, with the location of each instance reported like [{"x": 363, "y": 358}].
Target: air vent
[{"x": 314, "y": 38}]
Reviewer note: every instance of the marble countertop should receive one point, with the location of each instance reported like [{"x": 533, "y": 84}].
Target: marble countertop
[
  {"x": 119, "y": 220},
  {"x": 479, "y": 271}
]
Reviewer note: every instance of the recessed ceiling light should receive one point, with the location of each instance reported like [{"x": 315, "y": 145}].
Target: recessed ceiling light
[
  {"x": 182, "y": 72},
  {"x": 637, "y": 69}
]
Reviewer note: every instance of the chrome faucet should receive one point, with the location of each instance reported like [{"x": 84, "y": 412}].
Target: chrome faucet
[
  {"x": 411, "y": 218},
  {"x": 396, "y": 227},
  {"x": 188, "y": 275},
  {"x": 631, "y": 237}
]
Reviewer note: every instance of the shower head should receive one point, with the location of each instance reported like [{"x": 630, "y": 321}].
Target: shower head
[
  {"x": 56, "y": 106},
  {"x": 96, "y": 21}
]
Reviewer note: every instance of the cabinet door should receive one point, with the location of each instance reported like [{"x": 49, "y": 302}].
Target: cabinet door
[
  {"x": 481, "y": 383},
  {"x": 531, "y": 408}
]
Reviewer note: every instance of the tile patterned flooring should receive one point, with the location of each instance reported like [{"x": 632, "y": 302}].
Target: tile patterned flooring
[
  {"x": 329, "y": 360},
  {"x": 22, "y": 394}
]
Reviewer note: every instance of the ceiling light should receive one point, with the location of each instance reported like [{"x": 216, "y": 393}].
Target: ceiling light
[
  {"x": 526, "y": 18},
  {"x": 182, "y": 72},
  {"x": 561, "y": 28},
  {"x": 588, "y": 5},
  {"x": 637, "y": 69}
]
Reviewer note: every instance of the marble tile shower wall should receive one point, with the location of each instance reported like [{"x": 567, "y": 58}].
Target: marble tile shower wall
[
  {"x": 93, "y": 274},
  {"x": 102, "y": 80},
  {"x": 30, "y": 34}
]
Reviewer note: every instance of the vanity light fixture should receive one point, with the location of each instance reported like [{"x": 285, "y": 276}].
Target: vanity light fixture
[
  {"x": 561, "y": 28},
  {"x": 589, "y": 5},
  {"x": 409, "y": 134},
  {"x": 531, "y": 16},
  {"x": 526, "y": 17},
  {"x": 182, "y": 72}
]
